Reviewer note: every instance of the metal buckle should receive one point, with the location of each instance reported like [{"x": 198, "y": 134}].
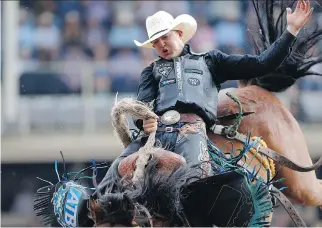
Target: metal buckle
[
  {"x": 168, "y": 129},
  {"x": 170, "y": 117},
  {"x": 229, "y": 135}
]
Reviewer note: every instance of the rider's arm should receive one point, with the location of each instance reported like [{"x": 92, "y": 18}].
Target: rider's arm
[
  {"x": 234, "y": 67},
  {"x": 147, "y": 90}
]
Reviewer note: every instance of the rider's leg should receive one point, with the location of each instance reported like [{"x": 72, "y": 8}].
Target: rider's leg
[
  {"x": 133, "y": 147},
  {"x": 192, "y": 145}
]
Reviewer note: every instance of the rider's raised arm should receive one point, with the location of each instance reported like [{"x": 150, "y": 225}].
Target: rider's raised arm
[
  {"x": 235, "y": 67},
  {"x": 147, "y": 90}
]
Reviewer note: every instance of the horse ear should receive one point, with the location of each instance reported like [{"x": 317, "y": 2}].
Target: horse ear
[{"x": 92, "y": 207}]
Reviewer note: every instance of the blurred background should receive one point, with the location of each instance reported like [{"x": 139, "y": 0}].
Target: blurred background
[{"x": 62, "y": 63}]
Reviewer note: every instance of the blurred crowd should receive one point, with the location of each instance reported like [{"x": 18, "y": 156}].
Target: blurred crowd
[
  {"x": 58, "y": 38},
  {"x": 73, "y": 32}
]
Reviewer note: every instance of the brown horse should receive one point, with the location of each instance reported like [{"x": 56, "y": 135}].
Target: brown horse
[
  {"x": 267, "y": 117},
  {"x": 271, "y": 119},
  {"x": 133, "y": 168},
  {"x": 281, "y": 132}
]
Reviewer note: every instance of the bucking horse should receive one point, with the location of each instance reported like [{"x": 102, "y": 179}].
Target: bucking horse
[{"x": 256, "y": 149}]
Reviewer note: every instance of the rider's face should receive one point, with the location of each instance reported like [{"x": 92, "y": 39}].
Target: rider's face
[{"x": 169, "y": 45}]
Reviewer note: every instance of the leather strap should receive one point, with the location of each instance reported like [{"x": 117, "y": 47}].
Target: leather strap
[
  {"x": 296, "y": 218},
  {"x": 288, "y": 206},
  {"x": 184, "y": 118},
  {"x": 298, "y": 221},
  {"x": 168, "y": 129},
  {"x": 219, "y": 129},
  {"x": 189, "y": 118}
]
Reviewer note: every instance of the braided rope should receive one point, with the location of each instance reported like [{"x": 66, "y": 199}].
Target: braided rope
[
  {"x": 139, "y": 110},
  {"x": 268, "y": 163},
  {"x": 132, "y": 107}
]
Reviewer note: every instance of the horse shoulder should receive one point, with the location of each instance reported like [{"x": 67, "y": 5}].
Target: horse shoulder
[{"x": 246, "y": 96}]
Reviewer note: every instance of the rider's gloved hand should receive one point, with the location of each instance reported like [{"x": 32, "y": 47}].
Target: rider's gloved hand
[{"x": 150, "y": 125}]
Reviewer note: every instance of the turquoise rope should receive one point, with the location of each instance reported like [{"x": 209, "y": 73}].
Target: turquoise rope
[{"x": 56, "y": 169}]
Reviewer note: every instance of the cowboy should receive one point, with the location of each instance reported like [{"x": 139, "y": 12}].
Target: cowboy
[{"x": 183, "y": 85}]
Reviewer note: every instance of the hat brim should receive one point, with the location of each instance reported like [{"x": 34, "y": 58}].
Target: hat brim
[{"x": 186, "y": 23}]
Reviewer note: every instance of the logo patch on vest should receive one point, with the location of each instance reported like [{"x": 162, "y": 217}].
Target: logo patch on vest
[
  {"x": 193, "y": 71},
  {"x": 167, "y": 82},
  {"x": 165, "y": 69},
  {"x": 194, "y": 81}
]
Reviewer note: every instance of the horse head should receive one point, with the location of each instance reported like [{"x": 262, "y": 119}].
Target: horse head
[{"x": 111, "y": 209}]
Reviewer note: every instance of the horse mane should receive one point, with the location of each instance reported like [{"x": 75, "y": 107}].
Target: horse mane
[
  {"x": 298, "y": 64},
  {"x": 161, "y": 192},
  {"x": 155, "y": 196}
]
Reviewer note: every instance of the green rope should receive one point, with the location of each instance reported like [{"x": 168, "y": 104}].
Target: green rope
[{"x": 232, "y": 129}]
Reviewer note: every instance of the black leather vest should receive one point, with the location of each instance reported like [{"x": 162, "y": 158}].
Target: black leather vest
[{"x": 186, "y": 80}]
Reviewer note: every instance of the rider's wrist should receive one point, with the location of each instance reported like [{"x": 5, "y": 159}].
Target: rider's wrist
[{"x": 293, "y": 30}]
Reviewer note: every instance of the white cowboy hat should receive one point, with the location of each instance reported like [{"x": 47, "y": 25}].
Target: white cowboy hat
[{"x": 162, "y": 22}]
